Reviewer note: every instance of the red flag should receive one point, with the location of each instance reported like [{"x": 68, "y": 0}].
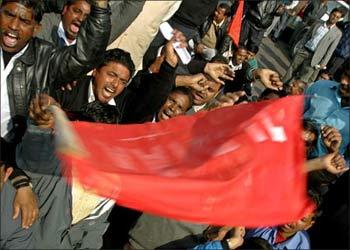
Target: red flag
[
  {"x": 240, "y": 165},
  {"x": 234, "y": 30}
]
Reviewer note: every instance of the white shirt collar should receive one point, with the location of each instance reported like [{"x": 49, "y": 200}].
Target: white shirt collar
[
  {"x": 91, "y": 95},
  {"x": 197, "y": 108},
  {"x": 219, "y": 24},
  {"x": 62, "y": 34}
]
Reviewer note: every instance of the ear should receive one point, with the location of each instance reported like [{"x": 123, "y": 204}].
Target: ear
[
  {"x": 94, "y": 72},
  {"x": 37, "y": 28},
  {"x": 8, "y": 172},
  {"x": 64, "y": 11}
]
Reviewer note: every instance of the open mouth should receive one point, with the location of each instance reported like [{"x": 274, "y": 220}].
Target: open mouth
[
  {"x": 166, "y": 114},
  {"x": 108, "y": 92},
  {"x": 10, "y": 39},
  {"x": 198, "y": 96},
  {"x": 74, "y": 27}
]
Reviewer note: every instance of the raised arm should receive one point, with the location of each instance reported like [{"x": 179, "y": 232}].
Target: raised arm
[
  {"x": 123, "y": 14},
  {"x": 70, "y": 63}
]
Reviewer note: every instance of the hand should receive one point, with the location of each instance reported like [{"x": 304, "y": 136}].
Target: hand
[
  {"x": 39, "y": 113},
  {"x": 222, "y": 233},
  {"x": 323, "y": 66},
  {"x": 199, "y": 48},
  {"x": 219, "y": 70},
  {"x": 170, "y": 53},
  {"x": 269, "y": 78},
  {"x": 196, "y": 82},
  {"x": 69, "y": 86},
  {"x": 101, "y": 3},
  {"x": 334, "y": 163},
  {"x": 237, "y": 239},
  {"x": 228, "y": 99},
  {"x": 25, "y": 202},
  {"x": 331, "y": 138}
]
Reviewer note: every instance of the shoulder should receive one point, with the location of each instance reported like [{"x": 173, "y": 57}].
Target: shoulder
[
  {"x": 303, "y": 240},
  {"x": 321, "y": 85}
]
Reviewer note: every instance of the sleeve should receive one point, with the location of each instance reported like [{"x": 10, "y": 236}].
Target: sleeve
[
  {"x": 150, "y": 95},
  {"x": 36, "y": 152},
  {"x": 70, "y": 63},
  {"x": 213, "y": 245},
  {"x": 196, "y": 66},
  {"x": 123, "y": 14},
  {"x": 330, "y": 50},
  {"x": 252, "y": 65}
]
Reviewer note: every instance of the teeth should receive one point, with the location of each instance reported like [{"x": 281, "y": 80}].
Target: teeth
[
  {"x": 11, "y": 35},
  {"x": 110, "y": 90}
]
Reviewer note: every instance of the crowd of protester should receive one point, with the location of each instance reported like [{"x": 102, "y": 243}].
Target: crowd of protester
[{"x": 48, "y": 49}]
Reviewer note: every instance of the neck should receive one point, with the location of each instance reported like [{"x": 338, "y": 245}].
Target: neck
[
  {"x": 286, "y": 235},
  {"x": 329, "y": 24}
]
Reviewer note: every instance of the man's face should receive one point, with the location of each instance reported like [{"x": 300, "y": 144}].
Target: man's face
[
  {"x": 219, "y": 15},
  {"x": 207, "y": 94},
  {"x": 297, "y": 87},
  {"x": 17, "y": 26},
  {"x": 344, "y": 86},
  {"x": 324, "y": 76},
  {"x": 300, "y": 225},
  {"x": 334, "y": 17},
  {"x": 240, "y": 56},
  {"x": 73, "y": 16},
  {"x": 176, "y": 104},
  {"x": 109, "y": 81}
]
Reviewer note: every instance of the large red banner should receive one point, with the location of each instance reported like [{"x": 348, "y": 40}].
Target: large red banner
[{"x": 240, "y": 165}]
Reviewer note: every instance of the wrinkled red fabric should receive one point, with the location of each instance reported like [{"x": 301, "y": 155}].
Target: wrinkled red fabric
[
  {"x": 240, "y": 165},
  {"x": 234, "y": 30}
]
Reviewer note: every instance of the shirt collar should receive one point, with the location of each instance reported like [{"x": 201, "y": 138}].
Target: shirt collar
[
  {"x": 19, "y": 53},
  {"x": 219, "y": 24},
  {"x": 62, "y": 34}
]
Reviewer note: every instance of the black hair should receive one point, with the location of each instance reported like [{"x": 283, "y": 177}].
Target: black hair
[
  {"x": 267, "y": 92},
  {"x": 346, "y": 72},
  {"x": 325, "y": 71},
  {"x": 119, "y": 56},
  {"x": 252, "y": 48},
  {"x": 70, "y": 2},
  {"x": 96, "y": 112},
  {"x": 316, "y": 197},
  {"x": 226, "y": 7},
  {"x": 256, "y": 243},
  {"x": 219, "y": 59},
  {"x": 184, "y": 91},
  {"x": 310, "y": 125},
  {"x": 343, "y": 11},
  {"x": 36, "y": 5}
]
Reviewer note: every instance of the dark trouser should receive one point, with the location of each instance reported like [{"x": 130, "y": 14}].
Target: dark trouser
[
  {"x": 300, "y": 66},
  {"x": 335, "y": 63},
  {"x": 250, "y": 36},
  {"x": 282, "y": 24},
  {"x": 159, "y": 40}
]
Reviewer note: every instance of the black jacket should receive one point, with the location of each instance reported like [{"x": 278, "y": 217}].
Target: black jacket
[
  {"x": 43, "y": 66},
  {"x": 140, "y": 100},
  {"x": 261, "y": 13}
]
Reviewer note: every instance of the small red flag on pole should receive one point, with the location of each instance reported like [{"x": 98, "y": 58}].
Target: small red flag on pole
[{"x": 236, "y": 23}]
